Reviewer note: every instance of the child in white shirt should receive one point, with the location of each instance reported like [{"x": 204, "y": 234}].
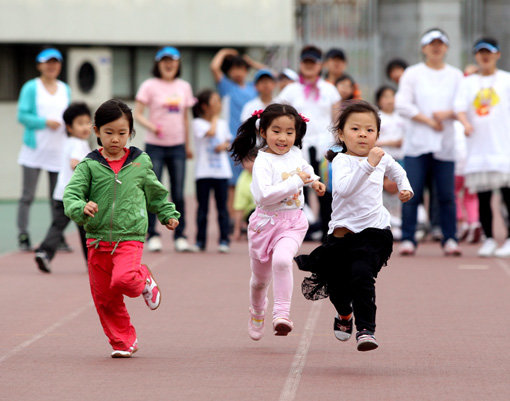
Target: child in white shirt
[
  {"x": 278, "y": 225},
  {"x": 212, "y": 169},
  {"x": 359, "y": 229}
]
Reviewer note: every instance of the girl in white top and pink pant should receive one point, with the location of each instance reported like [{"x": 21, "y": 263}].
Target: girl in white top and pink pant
[{"x": 278, "y": 225}]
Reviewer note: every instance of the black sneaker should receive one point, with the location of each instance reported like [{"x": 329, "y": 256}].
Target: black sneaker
[
  {"x": 366, "y": 340},
  {"x": 63, "y": 246},
  {"x": 24, "y": 243},
  {"x": 43, "y": 262},
  {"x": 342, "y": 328}
]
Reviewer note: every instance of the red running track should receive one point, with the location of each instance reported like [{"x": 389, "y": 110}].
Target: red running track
[{"x": 442, "y": 328}]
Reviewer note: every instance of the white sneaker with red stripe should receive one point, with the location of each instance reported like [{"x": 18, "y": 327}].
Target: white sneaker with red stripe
[
  {"x": 451, "y": 248},
  {"x": 117, "y": 353},
  {"x": 151, "y": 292}
]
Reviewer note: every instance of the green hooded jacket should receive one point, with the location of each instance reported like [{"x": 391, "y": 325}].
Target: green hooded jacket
[{"x": 123, "y": 199}]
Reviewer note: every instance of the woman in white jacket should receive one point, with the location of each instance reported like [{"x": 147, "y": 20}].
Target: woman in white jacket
[{"x": 426, "y": 95}]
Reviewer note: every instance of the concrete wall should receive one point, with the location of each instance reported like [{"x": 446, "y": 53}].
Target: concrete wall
[
  {"x": 402, "y": 22},
  {"x": 495, "y": 24},
  {"x": 181, "y": 22}
]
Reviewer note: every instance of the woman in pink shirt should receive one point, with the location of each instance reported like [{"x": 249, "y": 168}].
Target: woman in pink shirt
[{"x": 168, "y": 99}]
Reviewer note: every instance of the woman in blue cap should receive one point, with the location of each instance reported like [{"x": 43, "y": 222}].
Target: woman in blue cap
[
  {"x": 41, "y": 105},
  {"x": 482, "y": 105},
  {"x": 168, "y": 99}
]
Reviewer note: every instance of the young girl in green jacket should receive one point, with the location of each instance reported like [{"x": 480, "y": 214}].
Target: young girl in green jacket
[{"x": 109, "y": 194}]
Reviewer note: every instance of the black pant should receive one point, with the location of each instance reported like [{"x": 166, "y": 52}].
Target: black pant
[
  {"x": 220, "y": 188},
  {"x": 485, "y": 209},
  {"x": 56, "y": 230},
  {"x": 349, "y": 267}
]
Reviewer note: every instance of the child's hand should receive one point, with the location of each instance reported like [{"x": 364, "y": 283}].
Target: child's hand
[
  {"x": 90, "y": 209},
  {"x": 172, "y": 224},
  {"x": 305, "y": 177},
  {"x": 375, "y": 155},
  {"x": 222, "y": 147},
  {"x": 319, "y": 188},
  {"x": 468, "y": 129},
  {"x": 404, "y": 196},
  {"x": 52, "y": 124}
]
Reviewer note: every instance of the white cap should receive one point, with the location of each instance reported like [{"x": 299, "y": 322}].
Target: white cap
[
  {"x": 430, "y": 36},
  {"x": 291, "y": 74}
]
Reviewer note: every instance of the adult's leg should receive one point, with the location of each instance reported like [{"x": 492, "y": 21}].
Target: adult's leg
[
  {"x": 505, "y": 193},
  {"x": 283, "y": 255},
  {"x": 416, "y": 168},
  {"x": 445, "y": 185},
  {"x": 203, "y": 188},
  {"x": 175, "y": 159},
  {"x": 54, "y": 234},
  {"x": 52, "y": 183},
  {"x": 220, "y": 196},
  {"x": 156, "y": 154},
  {"x": 30, "y": 178},
  {"x": 485, "y": 211}
]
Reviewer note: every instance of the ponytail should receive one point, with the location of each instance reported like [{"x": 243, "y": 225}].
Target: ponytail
[{"x": 246, "y": 139}]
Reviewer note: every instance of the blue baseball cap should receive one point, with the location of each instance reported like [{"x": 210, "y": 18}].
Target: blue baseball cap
[
  {"x": 48, "y": 54},
  {"x": 486, "y": 44},
  {"x": 168, "y": 51},
  {"x": 263, "y": 73}
]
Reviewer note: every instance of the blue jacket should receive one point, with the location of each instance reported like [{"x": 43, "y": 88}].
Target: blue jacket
[{"x": 27, "y": 112}]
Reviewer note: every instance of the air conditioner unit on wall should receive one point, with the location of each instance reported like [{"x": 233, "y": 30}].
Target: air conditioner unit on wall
[{"x": 89, "y": 72}]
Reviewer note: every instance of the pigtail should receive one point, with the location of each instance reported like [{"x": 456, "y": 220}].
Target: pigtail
[{"x": 246, "y": 139}]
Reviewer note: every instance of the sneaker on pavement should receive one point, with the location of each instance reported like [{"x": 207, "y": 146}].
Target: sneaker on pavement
[
  {"x": 282, "y": 326},
  {"x": 451, "y": 248},
  {"x": 366, "y": 340},
  {"x": 151, "y": 292},
  {"x": 406, "y": 248},
  {"x": 196, "y": 248},
  {"x": 474, "y": 234},
  {"x": 24, "y": 243},
  {"x": 342, "y": 328},
  {"x": 488, "y": 248},
  {"x": 256, "y": 324},
  {"x": 154, "y": 244},
  {"x": 117, "y": 353},
  {"x": 504, "y": 251},
  {"x": 43, "y": 261},
  {"x": 436, "y": 234},
  {"x": 181, "y": 245},
  {"x": 223, "y": 248}
]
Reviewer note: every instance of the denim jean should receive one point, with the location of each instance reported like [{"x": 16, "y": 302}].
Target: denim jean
[
  {"x": 174, "y": 158},
  {"x": 220, "y": 188},
  {"x": 442, "y": 174}
]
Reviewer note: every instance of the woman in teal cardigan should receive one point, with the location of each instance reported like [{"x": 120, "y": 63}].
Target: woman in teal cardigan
[{"x": 41, "y": 104}]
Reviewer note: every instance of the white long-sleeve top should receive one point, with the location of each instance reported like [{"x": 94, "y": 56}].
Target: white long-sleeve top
[
  {"x": 276, "y": 184},
  {"x": 357, "y": 191},
  {"x": 425, "y": 90}
]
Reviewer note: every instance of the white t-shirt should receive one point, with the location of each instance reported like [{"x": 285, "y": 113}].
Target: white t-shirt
[
  {"x": 425, "y": 90},
  {"x": 392, "y": 129},
  {"x": 357, "y": 191},
  {"x": 48, "y": 152},
  {"x": 319, "y": 111},
  {"x": 251, "y": 106},
  {"x": 276, "y": 184},
  {"x": 74, "y": 148},
  {"x": 209, "y": 163},
  {"x": 486, "y": 100}
]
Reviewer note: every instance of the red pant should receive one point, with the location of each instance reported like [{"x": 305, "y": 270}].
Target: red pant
[{"x": 112, "y": 277}]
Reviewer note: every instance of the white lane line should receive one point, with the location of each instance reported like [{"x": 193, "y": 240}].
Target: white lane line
[
  {"x": 45, "y": 332},
  {"x": 504, "y": 266},
  {"x": 56, "y": 325},
  {"x": 474, "y": 267},
  {"x": 292, "y": 383}
]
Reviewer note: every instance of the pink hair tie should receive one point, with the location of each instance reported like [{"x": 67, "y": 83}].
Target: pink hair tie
[
  {"x": 257, "y": 113},
  {"x": 305, "y": 119}
]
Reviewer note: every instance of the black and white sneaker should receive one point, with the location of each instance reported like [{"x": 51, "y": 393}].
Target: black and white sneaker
[
  {"x": 342, "y": 328},
  {"x": 24, "y": 243},
  {"x": 366, "y": 340},
  {"x": 43, "y": 262}
]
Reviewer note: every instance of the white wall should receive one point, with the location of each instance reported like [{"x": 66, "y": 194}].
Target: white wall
[{"x": 181, "y": 22}]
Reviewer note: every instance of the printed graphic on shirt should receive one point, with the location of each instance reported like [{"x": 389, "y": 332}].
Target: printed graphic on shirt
[
  {"x": 294, "y": 198},
  {"x": 484, "y": 100},
  {"x": 173, "y": 103}
]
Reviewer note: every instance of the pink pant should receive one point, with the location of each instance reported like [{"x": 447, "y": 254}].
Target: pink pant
[
  {"x": 465, "y": 200},
  {"x": 274, "y": 239},
  {"x": 112, "y": 277}
]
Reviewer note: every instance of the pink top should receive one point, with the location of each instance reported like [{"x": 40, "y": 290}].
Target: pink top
[{"x": 167, "y": 103}]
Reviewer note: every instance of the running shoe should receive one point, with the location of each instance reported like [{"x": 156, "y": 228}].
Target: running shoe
[
  {"x": 43, "y": 261},
  {"x": 282, "y": 326},
  {"x": 117, "y": 353},
  {"x": 256, "y": 324},
  {"x": 488, "y": 248},
  {"x": 342, "y": 328},
  {"x": 504, "y": 251},
  {"x": 154, "y": 244},
  {"x": 366, "y": 340},
  {"x": 406, "y": 248},
  {"x": 151, "y": 292},
  {"x": 451, "y": 248}
]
